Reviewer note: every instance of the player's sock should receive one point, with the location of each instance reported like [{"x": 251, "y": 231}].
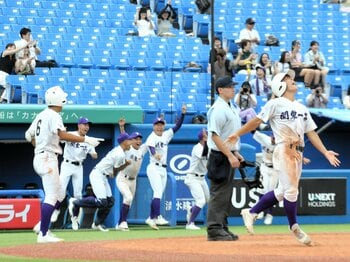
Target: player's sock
[
  {"x": 267, "y": 201},
  {"x": 291, "y": 211},
  {"x": 194, "y": 213},
  {"x": 58, "y": 205},
  {"x": 156, "y": 207},
  {"x": 124, "y": 213},
  {"x": 46, "y": 212}
]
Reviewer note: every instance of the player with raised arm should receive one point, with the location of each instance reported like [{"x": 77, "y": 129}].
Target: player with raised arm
[
  {"x": 157, "y": 143},
  {"x": 289, "y": 121},
  {"x": 108, "y": 167},
  {"x": 195, "y": 179},
  {"x": 126, "y": 179},
  {"x": 45, "y": 133}
]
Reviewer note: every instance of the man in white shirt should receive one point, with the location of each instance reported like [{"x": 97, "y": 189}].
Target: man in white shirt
[{"x": 250, "y": 33}]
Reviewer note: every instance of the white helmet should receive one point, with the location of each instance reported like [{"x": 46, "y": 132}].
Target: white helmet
[
  {"x": 55, "y": 96},
  {"x": 278, "y": 86}
]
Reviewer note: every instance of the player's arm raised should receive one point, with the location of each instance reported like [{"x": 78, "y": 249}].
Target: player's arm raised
[
  {"x": 180, "y": 121},
  {"x": 317, "y": 143}
]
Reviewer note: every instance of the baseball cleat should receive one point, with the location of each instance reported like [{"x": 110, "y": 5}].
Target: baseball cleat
[
  {"x": 48, "y": 238},
  {"x": 36, "y": 228},
  {"x": 300, "y": 235},
  {"x": 268, "y": 219},
  {"x": 192, "y": 226},
  {"x": 75, "y": 223},
  {"x": 152, "y": 223},
  {"x": 123, "y": 226},
  {"x": 188, "y": 214},
  {"x": 260, "y": 215},
  {"x": 160, "y": 221},
  {"x": 248, "y": 219},
  {"x": 99, "y": 227},
  {"x": 55, "y": 215}
]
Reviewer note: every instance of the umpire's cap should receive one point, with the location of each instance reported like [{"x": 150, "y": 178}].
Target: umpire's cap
[{"x": 224, "y": 81}]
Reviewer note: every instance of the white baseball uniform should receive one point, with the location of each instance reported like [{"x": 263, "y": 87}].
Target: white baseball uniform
[
  {"x": 268, "y": 173},
  {"x": 156, "y": 169},
  {"x": 289, "y": 121},
  {"x": 104, "y": 169},
  {"x": 74, "y": 155},
  {"x": 126, "y": 179},
  {"x": 45, "y": 130},
  {"x": 195, "y": 178}
]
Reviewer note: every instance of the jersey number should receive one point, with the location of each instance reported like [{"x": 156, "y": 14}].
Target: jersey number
[{"x": 37, "y": 132}]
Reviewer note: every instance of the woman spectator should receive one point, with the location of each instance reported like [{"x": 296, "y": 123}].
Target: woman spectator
[
  {"x": 166, "y": 18},
  {"x": 268, "y": 65},
  {"x": 222, "y": 66},
  {"x": 245, "y": 59},
  {"x": 24, "y": 65},
  {"x": 143, "y": 22},
  {"x": 316, "y": 60},
  {"x": 302, "y": 73},
  {"x": 261, "y": 85},
  {"x": 346, "y": 99},
  {"x": 317, "y": 98},
  {"x": 246, "y": 101},
  {"x": 284, "y": 63}
]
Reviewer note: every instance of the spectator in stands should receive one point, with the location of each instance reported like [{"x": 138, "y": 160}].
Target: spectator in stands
[
  {"x": 316, "y": 60},
  {"x": 284, "y": 63},
  {"x": 143, "y": 22},
  {"x": 246, "y": 101},
  {"x": 217, "y": 46},
  {"x": 302, "y": 73},
  {"x": 346, "y": 99},
  {"x": 268, "y": 65},
  {"x": 222, "y": 66},
  {"x": 250, "y": 33},
  {"x": 24, "y": 65},
  {"x": 261, "y": 85},
  {"x": 245, "y": 59},
  {"x": 26, "y": 37},
  {"x": 7, "y": 64},
  {"x": 317, "y": 98},
  {"x": 166, "y": 18}
]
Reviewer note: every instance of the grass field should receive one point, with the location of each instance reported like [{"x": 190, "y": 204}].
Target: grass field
[{"x": 16, "y": 237}]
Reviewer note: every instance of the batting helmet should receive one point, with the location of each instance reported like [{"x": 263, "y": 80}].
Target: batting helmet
[
  {"x": 55, "y": 96},
  {"x": 278, "y": 86}
]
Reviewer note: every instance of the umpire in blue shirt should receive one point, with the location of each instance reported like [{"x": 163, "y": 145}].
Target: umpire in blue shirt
[{"x": 223, "y": 119}]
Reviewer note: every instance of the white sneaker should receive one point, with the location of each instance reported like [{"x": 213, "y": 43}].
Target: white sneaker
[
  {"x": 71, "y": 206},
  {"x": 160, "y": 221},
  {"x": 75, "y": 223},
  {"x": 36, "y": 228},
  {"x": 260, "y": 215},
  {"x": 188, "y": 215},
  {"x": 248, "y": 220},
  {"x": 123, "y": 226},
  {"x": 192, "y": 226},
  {"x": 48, "y": 238},
  {"x": 99, "y": 227},
  {"x": 151, "y": 223},
  {"x": 54, "y": 215},
  {"x": 300, "y": 235},
  {"x": 268, "y": 219}
]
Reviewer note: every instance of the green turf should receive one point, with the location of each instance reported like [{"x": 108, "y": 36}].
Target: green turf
[{"x": 22, "y": 237}]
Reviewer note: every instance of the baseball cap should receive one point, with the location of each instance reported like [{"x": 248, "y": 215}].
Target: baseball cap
[
  {"x": 158, "y": 120},
  {"x": 84, "y": 120},
  {"x": 122, "y": 137},
  {"x": 250, "y": 21},
  {"x": 135, "y": 135},
  {"x": 259, "y": 66},
  {"x": 224, "y": 81}
]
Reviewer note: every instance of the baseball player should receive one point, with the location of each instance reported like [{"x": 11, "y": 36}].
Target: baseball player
[
  {"x": 44, "y": 133},
  {"x": 157, "y": 143},
  {"x": 108, "y": 167},
  {"x": 289, "y": 121},
  {"x": 195, "y": 179},
  {"x": 74, "y": 155},
  {"x": 126, "y": 179}
]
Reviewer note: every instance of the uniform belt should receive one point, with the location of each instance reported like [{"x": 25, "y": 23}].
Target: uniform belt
[
  {"x": 47, "y": 151},
  {"x": 162, "y": 165},
  {"x": 101, "y": 171},
  {"x": 219, "y": 152},
  {"x": 76, "y": 163},
  {"x": 298, "y": 148},
  {"x": 270, "y": 165},
  {"x": 197, "y": 175},
  {"x": 129, "y": 178}
]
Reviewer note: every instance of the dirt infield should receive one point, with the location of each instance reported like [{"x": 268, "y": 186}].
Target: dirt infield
[{"x": 278, "y": 247}]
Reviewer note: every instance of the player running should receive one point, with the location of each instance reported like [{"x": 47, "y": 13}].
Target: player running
[
  {"x": 126, "y": 179},
  {"x": 195, "y": 179},
  {"x": 157, "y": 143},
  {"x": 289, "y": 121},
  {"x": 45, "y": 133}
]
